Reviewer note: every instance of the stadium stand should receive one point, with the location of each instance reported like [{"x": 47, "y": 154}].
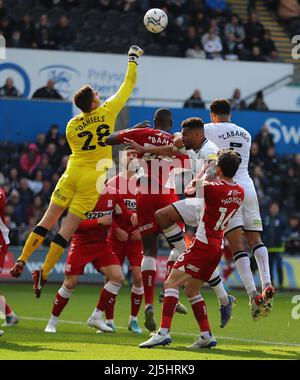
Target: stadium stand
[{"x": 197, "y": 28}]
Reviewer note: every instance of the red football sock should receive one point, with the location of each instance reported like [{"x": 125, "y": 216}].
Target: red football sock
[
  {"x": 149, "y": 276},
  {"x": 169, "y": 307},
  {"x": 59, "y": 304},
  {"x": 108, "y": 298},
  {"x": 7, "y": 310},
  {"x": 200, "y": 312},
  {"x": 110, "y": 309},
  {"x": 136, "y": 300}
]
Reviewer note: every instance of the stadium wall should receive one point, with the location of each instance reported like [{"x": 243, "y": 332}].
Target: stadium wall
[
  {"x": 22, "y": 120},
  {"x": 291, "y": 270},
  {"x": 163, "y": 78}
]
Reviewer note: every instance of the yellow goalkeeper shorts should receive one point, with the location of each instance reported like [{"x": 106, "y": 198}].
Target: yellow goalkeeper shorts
[{"x": 79, "y": 190}]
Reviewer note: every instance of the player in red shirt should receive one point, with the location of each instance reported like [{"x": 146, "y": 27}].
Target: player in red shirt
[
  {"x": 89, "y": 245},
  {"x": 222, "y": 199},
  {"x": 10, "y": 318},
  {"x": 125, "y": 240},
  {"x": 153, "y": 193}
]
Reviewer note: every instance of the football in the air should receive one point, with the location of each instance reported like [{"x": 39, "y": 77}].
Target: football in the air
[{"x": 156, "y": 20}]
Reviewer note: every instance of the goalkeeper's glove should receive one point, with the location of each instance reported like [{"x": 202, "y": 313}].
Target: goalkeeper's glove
[{"x": 135, "y": 53}]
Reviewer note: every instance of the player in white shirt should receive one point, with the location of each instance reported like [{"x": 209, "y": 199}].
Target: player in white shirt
[
  {"x": 201, "y": 152},
  {"x": 226, "y": 134}
]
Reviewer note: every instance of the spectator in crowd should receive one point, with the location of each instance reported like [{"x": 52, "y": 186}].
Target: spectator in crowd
[
  {"x": 267, "y": 45},
  {"x": 47, "y": 92},
  {"x": 16, "y": 209},
  {"x": 256, "y": 55},
  {"x": 289, "y": 186},
  {"x": 53, "y": 135},
  {"x": 26, "y": 195},
  {"x": 13, "y": 178},
  {"x": 195, "y": 101},
  {"x": 292, "y": 235},
  {"x": 254, "y": 30},
  {"x": 212, "y": 45},
  {"x": 9, "y": 90},
  {"x": 195, "y": 52},
  {"x": 231, "y": 48},
  {"x": 236, "y": 28},
  {"x": 63, "y": 35},
  {"x": 274, "y": 228},
  {"x": 16, "y": 40},
  {"x": 63, "y": 147},
  {"x": 258, "y": 104},
  {"x": 191, "y": 38},
  {"x": 261, "y": 183},
  {"x": 36, "y": 184},
  {"x": 53, "y": 155},
  {"x": 45, "y": 167},
  {"x": 6, "y": 27},
  {"x": 236, "y": 102},
  {"x": 41, "y": 142},
  {"x": 30, "y": 160},
  {"x": 264, "y": 139},
  {"x": 199, "y": 21},
  {"x": 44, "y": 35},
  {"x": 27, "y": 30},
  {"x": 3, "y": 10}
]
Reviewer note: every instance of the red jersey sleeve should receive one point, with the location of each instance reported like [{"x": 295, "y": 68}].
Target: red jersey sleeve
[
  {"x": 136, "y": 135},
  {"x": 87, "y": 225}
]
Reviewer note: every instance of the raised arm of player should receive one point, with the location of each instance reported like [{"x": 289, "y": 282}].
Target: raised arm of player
[{"x": 118, "y": 100}]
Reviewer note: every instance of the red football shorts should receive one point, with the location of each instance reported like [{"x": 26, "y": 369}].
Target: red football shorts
[
  {"x": 200, "y": 261},
  {"x": 3, "y": 252},
  {"x": 100, "y": 255},
  {"x": 132, "y": 250},
  {"x": 147, "y": 205}
]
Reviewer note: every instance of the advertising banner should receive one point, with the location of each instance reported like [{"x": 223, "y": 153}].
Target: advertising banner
[
  {"x": 285, "y": 127},
  {"x": 291, "y": 270}
]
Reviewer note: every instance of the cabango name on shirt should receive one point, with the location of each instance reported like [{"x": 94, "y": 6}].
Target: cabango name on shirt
[{"x": 231, "y": 134}]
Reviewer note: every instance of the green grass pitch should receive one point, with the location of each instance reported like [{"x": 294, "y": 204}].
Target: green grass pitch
[{"x": 276, "y": 337}]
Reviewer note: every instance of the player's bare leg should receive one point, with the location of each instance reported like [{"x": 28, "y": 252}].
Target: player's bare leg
[
  {"x": 56, "y": 250},
  {"x": 260, "y": 253},
  {"x": 61, "y": 300},
  {"x": 148, "y": 269},
  {"x": 137, "y": 294},
  {"x": 108, "y": 296},
  {"x": 242, "y": 263},
  {"x": 167, "y": 220},
  {"x": 37, "y": 237}
]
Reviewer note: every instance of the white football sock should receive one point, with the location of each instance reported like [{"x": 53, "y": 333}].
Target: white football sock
[
  {"x": 97, "y": 314},
  {"x": 262, "y": 258},
  {"x": 242, "y": 264},
  {"x": 217, "y": 285}
]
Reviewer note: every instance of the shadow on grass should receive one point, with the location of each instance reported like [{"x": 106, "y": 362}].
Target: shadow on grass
[
  {"x": 22, "y": 348},
  {"x": 246, "y": 353}
]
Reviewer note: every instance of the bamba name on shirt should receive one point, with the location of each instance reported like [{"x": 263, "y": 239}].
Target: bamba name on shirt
[
  {"x": 231, "y": 134},
  {"x": 159, "y": 140},
  {"x": 91, "y": 120}
]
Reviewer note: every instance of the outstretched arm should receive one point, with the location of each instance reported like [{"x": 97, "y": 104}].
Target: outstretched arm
[{"x": 118, "y": 101}]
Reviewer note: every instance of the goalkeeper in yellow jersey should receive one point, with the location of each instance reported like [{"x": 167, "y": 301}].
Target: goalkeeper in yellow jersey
[{"x": 79, "y": 187}]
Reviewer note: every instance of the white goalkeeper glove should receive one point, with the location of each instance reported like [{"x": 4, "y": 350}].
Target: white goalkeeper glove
[{"x": 135, "y": 53}]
